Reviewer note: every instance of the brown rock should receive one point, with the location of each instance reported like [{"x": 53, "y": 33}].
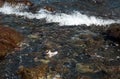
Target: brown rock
[
  {"x": 1, "y": 3},
  {"x": 113, "y": 72},
  {"x": 49, "y": 8},
  {"x": 114, "y": 32},
  {"x": 39, "y": 72},
  {"x": 9, "y": 39},
  {"x": 83, "y": 77},
  {"x": 15, "y": 2}
]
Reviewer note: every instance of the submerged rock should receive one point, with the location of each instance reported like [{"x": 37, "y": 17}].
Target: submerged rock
[
  {"x": 89, "y": 42},
  {"x": 83, "y": 68},
  {"x": 52, "y": 70},
  {"x": 39, "y": 72},
  {"x": 109, "y": 72},
  {"x": 83, "y": 77},
  {"x": 9, "y": 39}
]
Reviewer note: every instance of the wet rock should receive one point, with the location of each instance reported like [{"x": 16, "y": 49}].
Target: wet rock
[
  {"x": 89, "y": 42},
  {"x": 98, "y": 1},
  {"x": 61, "y": 69},
  {"x": 109, "y": 72},
  {"x": 34, "y": 8},
  {"x": 49, "y": 8},
  {"x": 106, "y": 71},
  {"x": 15, "y": 2},
  {"x": 45, "y": 61},
  {"x": 39, "y": 72},
  {"x": 50, "y": 45},
  {"x": 33, "y": 36},
  {"x": 83, "y": 77},
  {"x": 114, "y": 32},
  {"x": 9, "y": 40}
]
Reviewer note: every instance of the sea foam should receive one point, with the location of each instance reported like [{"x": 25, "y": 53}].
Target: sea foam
[{"x": 74, "y": 18}]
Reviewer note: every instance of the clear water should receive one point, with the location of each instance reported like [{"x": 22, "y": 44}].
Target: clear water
[{"x": 72, "y": 15}]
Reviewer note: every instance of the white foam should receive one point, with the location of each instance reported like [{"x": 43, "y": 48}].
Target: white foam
[{"x": 75, "y": 18}]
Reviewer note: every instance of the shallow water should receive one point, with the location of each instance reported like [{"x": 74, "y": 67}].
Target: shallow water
[{"x": 62, "y": 28}]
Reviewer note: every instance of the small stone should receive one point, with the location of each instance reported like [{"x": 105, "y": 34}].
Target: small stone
[
  {"x": 83, "y": 68},
  {"x": 45, "y": 61},
  {"x": 33, "y": 36}
]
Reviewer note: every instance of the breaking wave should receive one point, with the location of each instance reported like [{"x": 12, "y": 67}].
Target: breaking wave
[{"x": 75, "y": 18}]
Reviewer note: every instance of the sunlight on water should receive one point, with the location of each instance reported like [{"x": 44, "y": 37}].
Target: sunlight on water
[{"x": 75, "y": 18}]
